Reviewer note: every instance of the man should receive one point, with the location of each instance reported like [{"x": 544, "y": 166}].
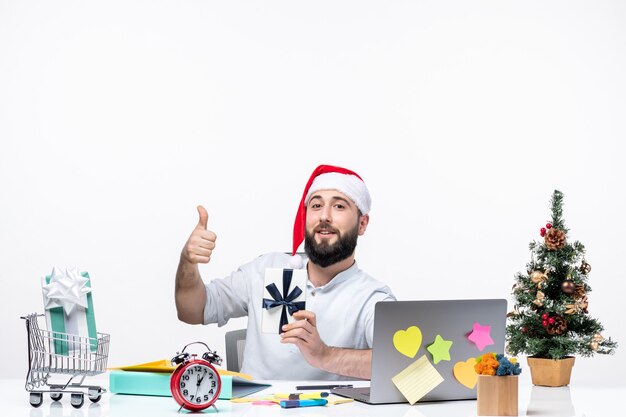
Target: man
[{"x": 332, "y": 338}]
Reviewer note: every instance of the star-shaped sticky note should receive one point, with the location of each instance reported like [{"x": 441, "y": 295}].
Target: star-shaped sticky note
[
  {"x": 481, "y": 337},
  {"x": 440, "y": 349}
]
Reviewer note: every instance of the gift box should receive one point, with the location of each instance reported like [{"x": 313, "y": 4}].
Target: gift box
[
  {"x": 284, "y": 294},
  {"x": 69, "y": 311}
]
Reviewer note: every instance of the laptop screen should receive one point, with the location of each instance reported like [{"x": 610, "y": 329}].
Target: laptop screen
[{"x": 430, "y": 347}]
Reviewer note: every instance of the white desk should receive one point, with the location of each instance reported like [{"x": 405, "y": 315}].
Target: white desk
[{"x": 575, "y": 400}]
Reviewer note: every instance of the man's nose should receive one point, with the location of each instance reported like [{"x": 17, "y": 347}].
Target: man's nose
[{"x": 325, "y": 215}]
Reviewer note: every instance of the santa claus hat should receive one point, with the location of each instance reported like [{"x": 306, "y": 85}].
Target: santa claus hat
[{"x": 328, "y": 177}]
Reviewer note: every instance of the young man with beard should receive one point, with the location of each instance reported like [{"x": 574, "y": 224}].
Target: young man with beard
[{"x": 332, "y": 338}]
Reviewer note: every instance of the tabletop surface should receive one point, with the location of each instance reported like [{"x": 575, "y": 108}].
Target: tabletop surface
[{"x": 575, "y": 400}]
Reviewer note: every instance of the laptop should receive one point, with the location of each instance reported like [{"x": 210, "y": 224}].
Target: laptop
[{"x": 452, "y": 320}]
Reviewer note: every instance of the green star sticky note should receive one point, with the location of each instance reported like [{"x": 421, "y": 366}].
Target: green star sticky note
[{"x": 440, "y": 349}]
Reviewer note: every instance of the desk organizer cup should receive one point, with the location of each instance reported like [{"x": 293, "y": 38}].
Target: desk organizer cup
[{"x": 497, "y": 393}]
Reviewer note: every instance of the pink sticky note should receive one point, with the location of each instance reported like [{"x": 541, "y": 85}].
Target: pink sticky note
[{"x": 481, "y": 337}]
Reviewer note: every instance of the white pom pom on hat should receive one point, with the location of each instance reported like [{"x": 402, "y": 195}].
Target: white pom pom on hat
[
  {"x": 296, "y": 262},
  {"x": 328, "y": 177}
]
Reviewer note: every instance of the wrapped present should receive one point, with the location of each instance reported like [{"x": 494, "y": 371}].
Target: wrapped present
[
  {"x": 69, "y": 311},
  {"x": 284, "y": 294}
]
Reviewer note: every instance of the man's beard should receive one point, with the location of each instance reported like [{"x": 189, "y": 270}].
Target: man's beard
[{"x": 325, "y": 254}]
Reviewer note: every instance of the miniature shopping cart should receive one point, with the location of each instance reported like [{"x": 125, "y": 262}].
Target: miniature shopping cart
[{"x": 65, "y": 354}]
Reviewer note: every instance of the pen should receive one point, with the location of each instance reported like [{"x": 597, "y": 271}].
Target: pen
[
  {"x": 308, "y": 387},
  {"x": 303, "y": 403},
  {"x": 302, "y": 396}
]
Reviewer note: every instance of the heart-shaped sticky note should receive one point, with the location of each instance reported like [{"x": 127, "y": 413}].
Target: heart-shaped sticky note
[
  {"x": 408, "y": 341},
  {"x": 464, "y": 373}
]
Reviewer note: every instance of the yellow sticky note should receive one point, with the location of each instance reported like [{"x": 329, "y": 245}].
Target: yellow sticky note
[
  {"x": 334, "y": 400},
  {"x": 417, "y": 379},
  {"x": 408, "y": 341}
]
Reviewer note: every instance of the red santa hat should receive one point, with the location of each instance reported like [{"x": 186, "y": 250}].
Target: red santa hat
[{"x": 328, "y": 177}]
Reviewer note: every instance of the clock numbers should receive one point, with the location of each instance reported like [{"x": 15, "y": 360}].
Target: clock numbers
[{"x": 198, "y": 384}]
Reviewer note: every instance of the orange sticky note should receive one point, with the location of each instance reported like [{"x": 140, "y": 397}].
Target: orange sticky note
[{"x": 464, "y": 373}]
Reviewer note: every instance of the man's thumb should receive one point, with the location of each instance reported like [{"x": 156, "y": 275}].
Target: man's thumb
[{"x": 204, "y": 218}]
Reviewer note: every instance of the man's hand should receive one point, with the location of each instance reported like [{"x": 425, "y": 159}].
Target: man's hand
[
  {"x": 303, "y": 333},
  {"x": 190, "y": 293},
  {"x": 201, "y": 243}
]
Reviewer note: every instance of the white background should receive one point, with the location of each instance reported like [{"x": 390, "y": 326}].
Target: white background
[{"x": 118, "y": 117}]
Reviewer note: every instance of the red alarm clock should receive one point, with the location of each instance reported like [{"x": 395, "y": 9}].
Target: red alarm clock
[{"x": 195, "y": 383}]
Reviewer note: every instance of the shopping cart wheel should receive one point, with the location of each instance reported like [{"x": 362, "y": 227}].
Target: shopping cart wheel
[
  {"x": 56, "y": 396},
  {"x": 77, "y": 400},
  {"x": 94, "y": 394},
  {"x": 36, "y": 399}
]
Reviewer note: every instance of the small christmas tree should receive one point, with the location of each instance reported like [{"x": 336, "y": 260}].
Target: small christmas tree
[{"x": 550, "y": 318}]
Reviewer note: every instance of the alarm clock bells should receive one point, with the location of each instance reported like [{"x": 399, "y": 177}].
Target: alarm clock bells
[{"x": 195, "y": 383}]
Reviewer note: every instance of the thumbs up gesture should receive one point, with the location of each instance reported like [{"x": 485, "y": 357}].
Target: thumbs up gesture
[{"x": 201, "y": 243}]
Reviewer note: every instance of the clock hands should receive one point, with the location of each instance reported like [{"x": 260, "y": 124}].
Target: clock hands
[{"x": 200, "y": 379}]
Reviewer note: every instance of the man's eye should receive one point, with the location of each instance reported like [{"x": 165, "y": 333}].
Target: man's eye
[
  {"x": 316, "y": 205},
  {"x": 340, "y": 206}
]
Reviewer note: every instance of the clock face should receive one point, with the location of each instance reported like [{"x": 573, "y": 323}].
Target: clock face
[{"x": 198, "y": 385}]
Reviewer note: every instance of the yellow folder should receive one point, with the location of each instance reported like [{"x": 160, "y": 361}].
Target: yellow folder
[{"x": 165, "y": 366}]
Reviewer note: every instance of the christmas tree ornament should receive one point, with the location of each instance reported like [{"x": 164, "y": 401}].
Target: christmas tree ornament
[
  {"x": 579, "y": 306},
  {"x": 585, "y": 304},
  {"x": 585, "y": 268},
  {"x": 539, "y": 278},
  {"x": 595, "y": 341},
  {"x": 556, "y": 325},
  {"x": 579, "y": 291},
  {"x": 548, "y": 225},
  {"x": 514, "y": 313},
  {"x": 539, "y": 300},
  {"x": 542, "y": 231},
  {"x": 555, "y": 239},
  {"x": 572, "y": 308},
  {"x": 568, "y": 287}
]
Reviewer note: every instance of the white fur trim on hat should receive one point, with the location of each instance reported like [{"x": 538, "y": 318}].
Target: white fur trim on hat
[{"x": 349, "y": 185}]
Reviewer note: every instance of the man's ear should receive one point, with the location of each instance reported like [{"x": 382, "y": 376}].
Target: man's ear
[{"x": 363, "y": 222}]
